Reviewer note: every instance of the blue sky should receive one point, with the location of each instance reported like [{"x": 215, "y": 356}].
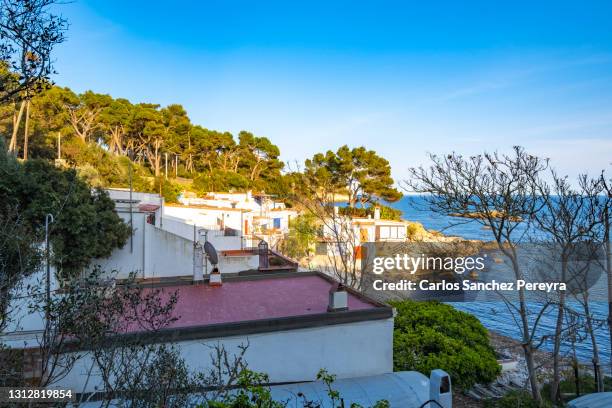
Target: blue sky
[{"x": 402, "y": 78}]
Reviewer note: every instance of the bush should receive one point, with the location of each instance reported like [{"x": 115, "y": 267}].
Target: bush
[
  {"x": 415, "y": 231},
  {"x": 386, "y": 213},
  {"x": 301, "y": 237},
  {"x": 430, "y": 335},
  {"x": 169, "y": 190}
]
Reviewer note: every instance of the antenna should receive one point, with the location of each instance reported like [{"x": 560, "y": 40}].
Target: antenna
[{"x": 211, "y": 253}]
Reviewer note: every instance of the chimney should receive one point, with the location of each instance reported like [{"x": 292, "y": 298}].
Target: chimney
[
  {"x": 338, "y": 298},
  {"x": 215, "y": 278},
  {"x": 377, "y": 213},
  {"x": 198, "y": 261},
  {"x": 440, "y": 389}
]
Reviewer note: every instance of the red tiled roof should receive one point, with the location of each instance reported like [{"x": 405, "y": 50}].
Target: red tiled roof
[
  {"x": 148, "y": 207},
  {"x": 249, "y": 300}
]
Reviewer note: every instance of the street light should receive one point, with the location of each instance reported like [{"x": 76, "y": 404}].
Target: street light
[{"x": 48, "y": 220}]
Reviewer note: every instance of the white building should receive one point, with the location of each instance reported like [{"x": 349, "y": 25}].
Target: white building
[
  {"x": 254, "y": 217},
  {"x": 294, "y": 323},
  {"x": 163, "y": 245},
  {"x": 351, "y": 233},
  {"x": 284, "y": 319}
]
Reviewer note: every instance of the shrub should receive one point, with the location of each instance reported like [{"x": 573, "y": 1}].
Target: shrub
[
  {"x": 169, "y": 190},
  {"x": 301, "y": 237},
  {"x": 415, "y": 231},
  {"x": 386, "y": 213},
  {"x": 430, "y": 335}
]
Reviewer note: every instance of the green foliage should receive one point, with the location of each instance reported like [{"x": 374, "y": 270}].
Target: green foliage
[
  {"x": 19, "y": 253},
  {"x": 430, "y": 335},
  {"x": 360, "y": 173},
  {"x": 37, "y": 188},
  {"x": 97, "y": 129},
  {"x": 169, "y": 190},
  {"x": 98, "y": 132},
  {"x": 251, "y": 392},
  {"x": 220, "y": 180},
  {"x": 567, "y": 386},
  {"x": 386, "y": 213},
  {"x": 29, "y": 31},
  {"x": 515, "y": 399},
  {"x": 414, "y": 230},
  {"x": 301, "y": 237},
  {"x": 389, "y": 213}
]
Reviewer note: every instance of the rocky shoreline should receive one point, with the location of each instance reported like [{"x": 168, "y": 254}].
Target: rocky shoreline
[{"x": 513, "y": 376}]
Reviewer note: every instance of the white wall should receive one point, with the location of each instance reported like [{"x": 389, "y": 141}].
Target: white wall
[
  {"x": 346, "y": 350},
  {"x": 130, "y": 258},
  {"x": 237, "y": 263},
  {"x": 209, "y": 217},
  {"x": 185, "y": 229},
  {"x": 167, "y": 254},
  {"x": 169, "y": 251},
  {"x": 154, "y": 253}
]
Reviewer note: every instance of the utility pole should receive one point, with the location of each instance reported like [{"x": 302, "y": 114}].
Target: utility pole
[
  {"x": 59, "y": 145},
  {"x": 175, "y": 165},
  {"x": 166, "y": 166},
  {"x": 131, "y": 204},
  {"x": 48, "y": 220}
]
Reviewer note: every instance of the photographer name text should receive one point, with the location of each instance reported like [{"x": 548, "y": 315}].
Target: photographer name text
[{"x": 466, "y": 285}]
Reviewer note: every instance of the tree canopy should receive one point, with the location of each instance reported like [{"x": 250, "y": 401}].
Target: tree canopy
[
  {"x": 95, "y": 130},
  {"x": 360, "y": 173},
  {"x": 31, "y": 190},
  {"x": 102, "y": 137},
  {"x": 28, "y": 33}
]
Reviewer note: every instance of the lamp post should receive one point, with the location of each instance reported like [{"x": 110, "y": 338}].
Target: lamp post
[
  {"x": 130, "y": 157},
  {"x": 48, "y": 220}
]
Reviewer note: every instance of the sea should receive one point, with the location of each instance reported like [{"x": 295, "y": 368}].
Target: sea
[{"x": 494, "y": 314}]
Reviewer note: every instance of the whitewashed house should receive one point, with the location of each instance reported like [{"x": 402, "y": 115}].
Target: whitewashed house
[
  {"x": 295, "y": 323},
  {"x": 255, "y": 217},
  {"x": 346, "y": 233}
]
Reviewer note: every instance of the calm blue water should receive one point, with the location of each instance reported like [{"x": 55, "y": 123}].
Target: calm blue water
[
  {"x": 416, "y": 208},
  {"x": 494, "y": 314}
]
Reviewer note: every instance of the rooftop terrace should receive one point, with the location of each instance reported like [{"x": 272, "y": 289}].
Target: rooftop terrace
[{"x": 261, "y": 303}]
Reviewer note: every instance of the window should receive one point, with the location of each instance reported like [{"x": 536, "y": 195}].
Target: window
[
  {"x": 321, "y": 248},
  {"x": 444, "y": 385}
]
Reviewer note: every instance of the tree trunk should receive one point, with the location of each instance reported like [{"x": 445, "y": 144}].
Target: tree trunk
[
  {"x": 533, "y": 381},
  {"x": 527, "y": 341},
  {"x": 609, "y": 272},
  {"x": 26, "y": 132},
  {"x": 591, "y": 332},
  {"x": 554, "y": 387},
  {"x": 16, "y": 122},
  {"x": 116, "y": 144}
]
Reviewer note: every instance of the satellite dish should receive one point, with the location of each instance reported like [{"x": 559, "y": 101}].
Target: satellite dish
[{"x": 211, "y": 253}]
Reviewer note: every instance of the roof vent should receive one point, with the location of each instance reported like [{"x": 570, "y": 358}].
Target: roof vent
[
  {"x": 198, "y": 263},
  {"x": 215, "y": 277},
  {"x": 440, "y": 389},
  {"x": 338, "y": 298}
]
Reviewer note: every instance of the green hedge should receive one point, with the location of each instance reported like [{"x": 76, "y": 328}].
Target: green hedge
[{"x": 430, "y": 335}]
